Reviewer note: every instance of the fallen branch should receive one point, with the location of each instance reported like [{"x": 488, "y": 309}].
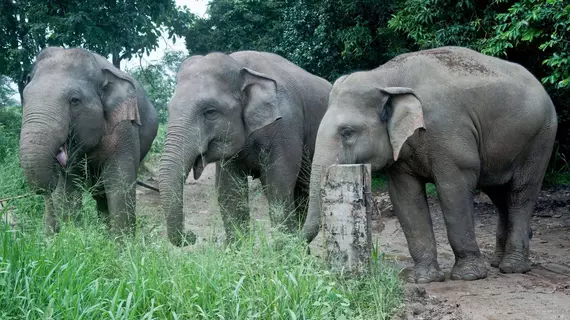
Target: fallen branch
[{"x": 16, "y": 197}]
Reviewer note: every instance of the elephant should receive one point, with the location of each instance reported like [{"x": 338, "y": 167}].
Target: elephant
[
  {"x": 84, "y": 121},
  {"x": 253, "y": 114},
  {"x": 450, "y": 116}
]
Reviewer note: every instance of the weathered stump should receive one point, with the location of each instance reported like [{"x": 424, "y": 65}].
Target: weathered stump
[{"x": 346, "y": 217}]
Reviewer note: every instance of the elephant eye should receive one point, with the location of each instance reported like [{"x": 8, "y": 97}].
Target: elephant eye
[
  {"x": 74, "y": 101},
  {"x": 347, "y": 133},
  {"x": 211, "y": 114}
]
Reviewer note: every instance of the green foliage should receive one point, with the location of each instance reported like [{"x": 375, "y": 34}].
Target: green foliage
[
  {"x": 328, "y": 38},
  {"x": 122, "y": 29},
  {"x": 541, "y": 24},
  {"x": 83, "y": 274},
  {"x": 6, "y": 92},
  {"x": 159, "y": 80}
]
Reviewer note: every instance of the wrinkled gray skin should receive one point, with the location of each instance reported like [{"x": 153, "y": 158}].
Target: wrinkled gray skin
[
  {"x": 253, "y": 113},
  {"x": 77, "y": 105},
  {"x": 459, "y": 119}
]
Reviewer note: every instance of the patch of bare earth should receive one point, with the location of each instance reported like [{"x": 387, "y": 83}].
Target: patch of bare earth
[{"x": 542, "y": 293}]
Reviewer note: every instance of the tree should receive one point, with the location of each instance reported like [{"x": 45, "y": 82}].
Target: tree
[
  {"x": 158, "y": 79},
  {"x": 119, "y": 28},
  {"x": 234, "y": 25},
  {"x": 328, "y": 38},
  {"x": 6, "y": 92}
]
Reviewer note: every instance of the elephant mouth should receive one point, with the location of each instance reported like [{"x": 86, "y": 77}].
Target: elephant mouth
[
  {"x": 198, "y": 166},
  {"x": 62, "y": 155}
]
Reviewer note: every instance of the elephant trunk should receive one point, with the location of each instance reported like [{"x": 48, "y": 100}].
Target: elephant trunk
[
  {"x": 175, "y": 165},
  {"x": 322, "y": 159},
  {"x": 42, "y": 143}
]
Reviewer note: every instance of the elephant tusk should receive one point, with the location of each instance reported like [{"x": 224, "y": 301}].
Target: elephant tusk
[{"x": 62, "y": 155}]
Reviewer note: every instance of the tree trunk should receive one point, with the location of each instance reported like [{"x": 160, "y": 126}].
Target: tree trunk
[
  {"x": 21, "y": 86},
  {"x": 116, "y": 57},
  {"x": 346, "y": 208}
]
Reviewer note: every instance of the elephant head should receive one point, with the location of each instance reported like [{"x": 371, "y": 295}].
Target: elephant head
[
  {"x": 72, "y": 99},
  {"x": 217, "y": 104},
  {"x": 364, "y": 123}
]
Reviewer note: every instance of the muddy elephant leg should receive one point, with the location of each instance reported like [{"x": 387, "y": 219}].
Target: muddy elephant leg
[
  {"x": 498, "y": 196},
  {"x": 233, "y": 199},
  {"x": 409, "y": 199},
  {"x": 456, "y": 189}
]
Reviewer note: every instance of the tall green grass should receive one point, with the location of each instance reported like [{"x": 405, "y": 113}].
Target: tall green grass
[{"x": 82, "y": 273}]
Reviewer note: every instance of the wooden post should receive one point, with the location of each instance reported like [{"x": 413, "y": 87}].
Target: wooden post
[{"x": 346, "y": 205}]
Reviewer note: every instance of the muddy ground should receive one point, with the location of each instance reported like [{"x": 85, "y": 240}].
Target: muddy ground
[{"x": 542, "y": 293}]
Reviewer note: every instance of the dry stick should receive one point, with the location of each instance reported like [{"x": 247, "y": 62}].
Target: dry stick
[{"x": 16, "y": 197}]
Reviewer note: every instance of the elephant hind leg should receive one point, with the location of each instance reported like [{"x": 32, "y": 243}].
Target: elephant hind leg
[
  {"x": 521, "y": 197},
  {"x": 498, "y": 196}
]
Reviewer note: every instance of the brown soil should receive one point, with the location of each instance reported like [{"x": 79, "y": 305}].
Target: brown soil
[{"x": 542, "y": 293}]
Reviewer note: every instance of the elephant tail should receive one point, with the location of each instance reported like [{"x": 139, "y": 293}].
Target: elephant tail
[{"x": 140, "y": 183}]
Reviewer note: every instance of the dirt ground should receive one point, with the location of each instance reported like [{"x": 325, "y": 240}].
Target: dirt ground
[{"x": 542, "y": 293}]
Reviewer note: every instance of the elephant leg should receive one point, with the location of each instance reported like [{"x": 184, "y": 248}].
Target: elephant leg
[
  {"x": 63, "y": 205},
  {"x": 301, "y": 202},
  {"x": 456, "y": 189},
  {"x": 279, "y": 181},
  {"x": 50, "y": 220},
  {"x": 409, "y": 199},
  {"x": 233, "y": 199},
  {"x": 102, "y": 205},
  {"x": 498, "y": 196},
  {"x": 302, "y": 190},
  {"x": 120, "y": 195},
  {"x": 522, "y": 194}
]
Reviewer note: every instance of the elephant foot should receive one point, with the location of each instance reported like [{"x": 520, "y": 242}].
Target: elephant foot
[
  {"x": 425, "y": 274},
  {"x": 496, "y": 260},
  {"x": 513, "y": 265},
  {"x": 469, "y": 269}
]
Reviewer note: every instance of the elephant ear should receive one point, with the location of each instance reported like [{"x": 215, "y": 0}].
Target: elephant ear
[
  {"x": 119, "y": 97},
  {"x": 402, "y": 111},
  {"x": 261, "y": 107}
]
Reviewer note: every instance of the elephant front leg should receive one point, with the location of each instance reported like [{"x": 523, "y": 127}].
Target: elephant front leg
[
  {"x": 233, "y": 198},
  {"x": 411, "y": 208},
  {"x": 63, "y": 205},
  {"x": 119, "y": 178},
  {"x": 279, "y": 182},
  {"x": 456, "y": 197}
]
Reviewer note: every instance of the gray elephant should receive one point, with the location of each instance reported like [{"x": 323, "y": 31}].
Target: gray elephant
[
  {"x": 253, "y": 113},
  {"x": 459, "y": 119},
  {"x": 76, "y": 106}
]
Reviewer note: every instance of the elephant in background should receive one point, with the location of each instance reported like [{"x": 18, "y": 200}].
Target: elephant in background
[
  {"x": 459, "y": 119},
  {"x": 76, "y": 106},
  {"x": 254, "y": 113}
]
